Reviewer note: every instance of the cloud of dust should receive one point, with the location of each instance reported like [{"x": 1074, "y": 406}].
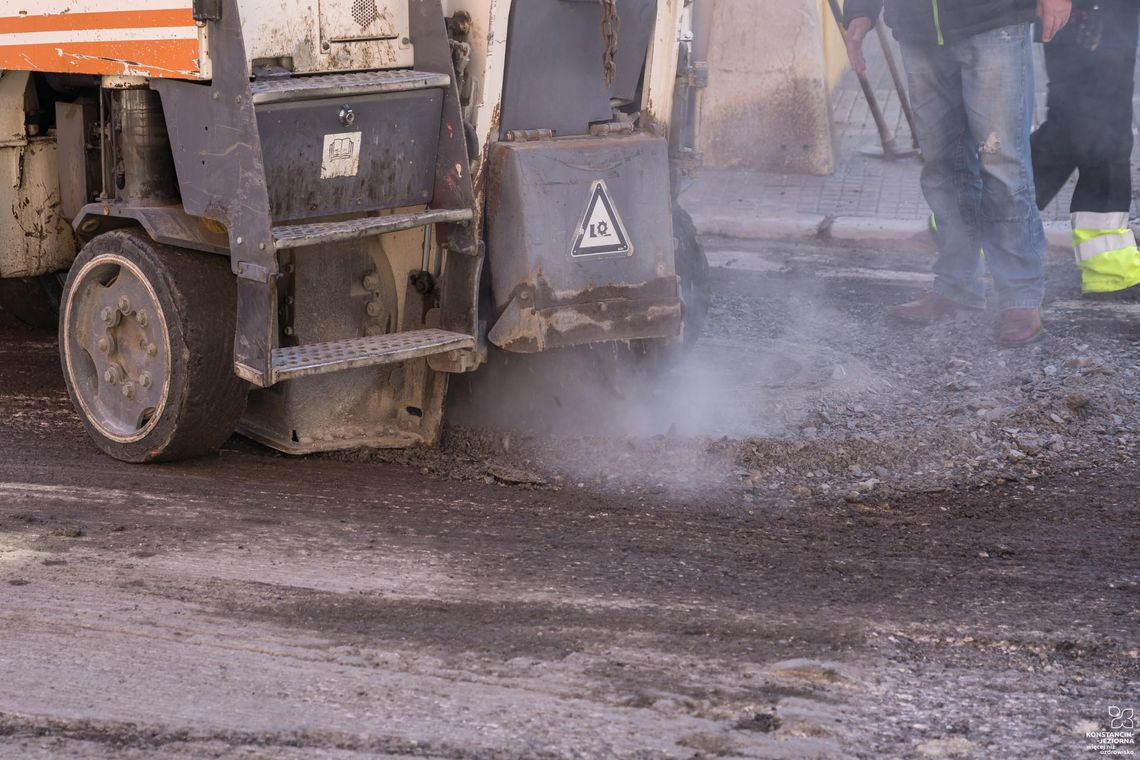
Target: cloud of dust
[{"x": 753, "y": 374}]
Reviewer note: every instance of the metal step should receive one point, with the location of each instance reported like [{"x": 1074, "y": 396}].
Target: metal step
[
  {"x": 304, "y": 235},
  {"x": 290, "y": 89},
  {"x": 323, "y": 358}
]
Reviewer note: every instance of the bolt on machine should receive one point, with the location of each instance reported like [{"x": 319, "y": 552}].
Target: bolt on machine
[{"x": 297, "y": 219}]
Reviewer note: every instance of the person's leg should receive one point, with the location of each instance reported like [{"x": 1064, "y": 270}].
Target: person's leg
[
  {"x": 1054, "y": 156},
  {"x": 950, "y": 180},
  {"x": 997, "y": 86},
  {"x": 1101, "y": 93}
]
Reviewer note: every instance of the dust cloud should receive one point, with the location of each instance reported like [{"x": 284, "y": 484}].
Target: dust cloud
[{"x": 656, "y": 410}]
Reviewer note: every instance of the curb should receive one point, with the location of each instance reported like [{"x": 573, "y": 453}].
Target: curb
[
  {"x": 908, "y": 235},
  {"x": 801, "y": 227}
]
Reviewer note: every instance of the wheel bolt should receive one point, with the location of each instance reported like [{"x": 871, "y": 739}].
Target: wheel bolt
[
  {"x": 152, "y": 350},
  {"x": 129, "y": 390},
  {"x": 109, "y": 316},
  {"x": 104, "y": 345},
  {"x": 125, "y": 305},
  {"x": 372, "y": 282},
  {"x": 113, "y": 374},
  {"x": 142, "y": 318},
  {"x": 144, "y": 380},
  {"x": 375, "y": 308}
]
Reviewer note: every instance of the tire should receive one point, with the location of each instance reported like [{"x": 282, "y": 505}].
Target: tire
[
  {"x": 146, "y": 340},
  {"x": 692, "y": 267},
  {"x": 32, "y": 300},
  {"x": 693, "y": 271}
]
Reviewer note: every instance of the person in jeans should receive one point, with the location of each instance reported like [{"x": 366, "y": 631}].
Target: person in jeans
[{"x": 969, "y": 65}]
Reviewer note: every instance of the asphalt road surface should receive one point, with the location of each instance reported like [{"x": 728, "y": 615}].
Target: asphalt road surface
[{"x": 777, "y": 600}]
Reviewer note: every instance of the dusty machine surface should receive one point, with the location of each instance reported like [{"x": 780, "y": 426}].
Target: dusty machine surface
[{"x": 297, "y": 219}]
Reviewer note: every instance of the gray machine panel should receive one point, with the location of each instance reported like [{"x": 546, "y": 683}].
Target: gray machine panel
[
  {"x": 398, "y": 134},
  {"x": 545, "y": 295},
  {"x": 554, "y": 63}
]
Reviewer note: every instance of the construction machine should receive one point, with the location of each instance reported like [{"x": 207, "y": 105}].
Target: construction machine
[{"x": 296, "y": 219}]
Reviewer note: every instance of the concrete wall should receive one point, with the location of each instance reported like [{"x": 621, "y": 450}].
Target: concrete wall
[{"x": 772, "y": 64}]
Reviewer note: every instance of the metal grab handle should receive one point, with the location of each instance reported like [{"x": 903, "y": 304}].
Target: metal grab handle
[
  {"x": 900, "y": 84},
  {"x": 886, "y": 138}
]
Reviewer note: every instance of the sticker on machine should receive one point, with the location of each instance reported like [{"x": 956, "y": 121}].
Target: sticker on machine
[
  {"x": 601, "y": 231},
  {"x": 341, "y": 156}
]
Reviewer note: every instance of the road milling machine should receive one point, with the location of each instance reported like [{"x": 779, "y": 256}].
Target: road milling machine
[{"x": 297, "y": 218}]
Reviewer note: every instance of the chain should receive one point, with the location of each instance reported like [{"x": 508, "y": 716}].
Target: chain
[{"x": 611, "y": 28}]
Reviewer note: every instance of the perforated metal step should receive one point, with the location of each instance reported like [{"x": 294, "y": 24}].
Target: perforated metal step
[
  {"x": 289, "y": 89},
  {"x": 303, "y": 235},
  {"x": 322, "y": 358}
]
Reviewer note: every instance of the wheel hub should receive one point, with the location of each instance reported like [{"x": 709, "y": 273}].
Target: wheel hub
[{"x": 118, "y": 349}]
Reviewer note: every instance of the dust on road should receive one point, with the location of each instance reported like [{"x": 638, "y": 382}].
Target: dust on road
[{"x": 887, "y": 544}]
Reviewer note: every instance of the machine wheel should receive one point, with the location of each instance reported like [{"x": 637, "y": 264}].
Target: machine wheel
[
  {"x": 693, "y": 270},
  {"x": 146, "y": 339},
  {"x": 32, "y": 300}
]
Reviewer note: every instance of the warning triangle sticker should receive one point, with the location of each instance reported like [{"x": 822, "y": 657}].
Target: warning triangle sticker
[{"x": 601, "y": 231}]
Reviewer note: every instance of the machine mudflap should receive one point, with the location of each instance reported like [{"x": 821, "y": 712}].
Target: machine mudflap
[
  {"x": 580, "y": 243},
  {"x": 355, "y": 353}
]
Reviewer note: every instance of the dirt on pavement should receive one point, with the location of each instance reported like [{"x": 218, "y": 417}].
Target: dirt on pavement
[{"x": 821, "y": 536}]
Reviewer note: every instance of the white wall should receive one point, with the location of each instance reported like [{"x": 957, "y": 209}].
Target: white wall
[{"x": 767, "y": 105}]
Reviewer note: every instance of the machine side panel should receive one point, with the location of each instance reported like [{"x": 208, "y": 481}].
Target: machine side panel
[
  {"x": 149, "y": 38},
  {"x": 35, "y": 235},
  {"x": 552, "y": 286},
  {"x": 661, "y": 72},
  {"x": 490, "y": 22},
  {"x": 316, "y": 36},
  {"x": 554, "y": 64},
  {"x": 391, "y": 147}
]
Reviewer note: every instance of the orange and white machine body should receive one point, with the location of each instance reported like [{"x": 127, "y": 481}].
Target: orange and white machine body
[
  {"x": 127, "y": 43},
  {"x": 150, "y": 38},
  {"x": 338, "y": 156},
  {"x": 161, "y": 39}
]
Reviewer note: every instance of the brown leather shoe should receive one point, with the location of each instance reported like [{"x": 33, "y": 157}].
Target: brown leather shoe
[
  {"x": 927, "y": 310},
  {"x": 1019, "y": 327}
]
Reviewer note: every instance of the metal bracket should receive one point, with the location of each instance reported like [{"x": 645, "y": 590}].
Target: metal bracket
[
  {"x": 248, "y": 271},
  {"x": 700, "y": 74},
  {"x": 528, "y": 135},
  {"x": 612, "y": 128},
  {"x": 207, "y": 10},
  {"x": 250, "y": 375},
  {"x": 694, "y": 76}
]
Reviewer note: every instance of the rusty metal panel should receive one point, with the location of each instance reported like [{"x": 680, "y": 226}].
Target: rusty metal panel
[
  {"x": 539, "y": 203},
  {"x": 344, "y": 291},
  {"x": 393, "y": 164},
  {"x": 37, "y": 239},
  {"x": 79, "y": 167},
  {"x": 13, "y": 87}
]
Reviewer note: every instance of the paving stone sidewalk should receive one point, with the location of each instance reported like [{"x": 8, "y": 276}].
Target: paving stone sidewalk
[{"x": 867, "y": 199}]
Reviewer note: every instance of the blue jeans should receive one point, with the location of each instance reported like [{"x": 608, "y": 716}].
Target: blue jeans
[{"x": 973, "y": 103}]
